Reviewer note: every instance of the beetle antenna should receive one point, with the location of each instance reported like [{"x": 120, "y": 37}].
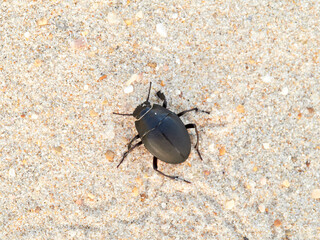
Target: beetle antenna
[
  {"x": 123, "y": 114},
  {"x": 149, "y": 93}
]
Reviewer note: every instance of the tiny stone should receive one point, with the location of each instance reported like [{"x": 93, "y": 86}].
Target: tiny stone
[
  {"x": 58, "y": 149},
  {"x": 177, "y": 92},
  {"x": 263, "y": 181},
  {"x": 277, "y": 223},
  {"x": 135, "y": 191},
  {"x": 163, "y": 205},
  {"x": 230, "y": 204},
  {"x": 133, "y": 78},
  {"x": 91, "y": 196},
  {"x": 42, "y": 22},
  {"x": 85, "y": 87},
  {"x": 93, "y": 113},
  {"x": 109, "y": 155},
  {"x": 78, "y": 43},
  {"x": 12, "y": 173},
  {"x": 175, "y": 16},
  {"x": 286, "y": 183},
  {"x": 161, "y": 29},
  {"x": 113, "y": 18},
  {"x": 285, "y": 91},
  {"x": 34, "y": 116},
  {"x": 128, "y": 89},
  {"x": 27, "y": 35},
  {"x": 266, "y": 145},
  {"x": 267, "y": 79},
  {"x": 139, "y": 15},
  {"x": 262, "y": 208},
  {"x": 316, "y": 194}
]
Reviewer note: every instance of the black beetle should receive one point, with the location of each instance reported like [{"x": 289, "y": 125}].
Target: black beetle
[{"x": 163, "y": 133}]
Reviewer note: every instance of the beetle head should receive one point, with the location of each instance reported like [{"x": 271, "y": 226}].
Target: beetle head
[
  {"x": 144, "y": 107},
  {"x": 141, "y": 109}
]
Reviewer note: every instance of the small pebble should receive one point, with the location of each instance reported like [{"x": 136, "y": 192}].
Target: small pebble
[
  {"x": 27, "y": 35},
  {"x": 78, "y": 43},
  {"x": 85, "y": 87},
  {"x": 135, "y": 191},
  {"x": 230, "y": 204},
  {"x": 113, "y": 18},
  {"x": 222, "y": 151},
  {"x": 34, "y": 116},
  {"x": 128, "y": 89},
  {"x": 109, "y": 155},
  {"x": 12, "y": 173},
  {"x": 316, "y": 194},
  {"x": 263, "y": 181},
  {"x": 139, "y": 15},
  {"x": 161, "y": 30},
  {"x": 174, "y": 15},
  {"x": 132, "y": 79},
  {"x": 267, "y": 78},
  {"x": 240, "y": 109},
  {"x": 57, "y": 149},
  {"x": 266, "y": 145},
  {"x": 284, "y": 91},
  {"x": 277, "y": 223},
  {"x": 91, "y": 196},
  {"x": 262, "y": 208},
  {"x": 286, "y": 183}
]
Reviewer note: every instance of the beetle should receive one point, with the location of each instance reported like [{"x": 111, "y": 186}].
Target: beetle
[{"x": 162, "y": 133}]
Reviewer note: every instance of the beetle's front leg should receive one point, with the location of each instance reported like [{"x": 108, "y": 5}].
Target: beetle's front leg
[
  {"x": 132, "y": 140},
  {"x": 192, "y": 109},
  {"x": 129, "y": 150},
  {"x": 163, "y": 98},
  {"x": 155, "y": 167}
]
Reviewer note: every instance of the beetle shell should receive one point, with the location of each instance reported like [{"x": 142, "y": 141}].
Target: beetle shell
[{"x": 164, "y": 135}]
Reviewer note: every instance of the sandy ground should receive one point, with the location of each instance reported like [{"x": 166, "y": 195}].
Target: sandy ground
[{"x": 67, "y": 65}]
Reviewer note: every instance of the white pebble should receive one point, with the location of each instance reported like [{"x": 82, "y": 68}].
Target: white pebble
[
  {"x": 163, "y": 205},
  {"x": 128, "y": 89},
  {"x": 284, "y": 91},
  {"x": 161, "y": 29},
  {"x": 315, "y": 194},
  {"x": 85, "y": 87},
  {"x": 27, "y": 35},
  {"x": 113, "y": 18},
  {"x": 177, "y": 92},
  {"x": 34, "y": 116},
  {"x": 230, "y": 204},
  {"x": 133, "y": 78},
  {"x": 266, "y": 145},
  {"x": 139, "y": 15},
  {"x": 267, "y": 78},
  {"x": 263, "y": 181},
  {"x": 262, "y": 208},
  {"x": 12, "y": 173},
  {"x": 175, "y": 16}
]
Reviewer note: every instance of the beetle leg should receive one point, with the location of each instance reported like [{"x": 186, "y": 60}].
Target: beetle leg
[
  {"x": 192, "y": 125},
  {"x": 163, "y": 98},
  {"x": 192, "y": 109},
  {"x": 129, "y": 150},
  {"x": 155, "y": 167},
  {"x": 132, "y": 140}
]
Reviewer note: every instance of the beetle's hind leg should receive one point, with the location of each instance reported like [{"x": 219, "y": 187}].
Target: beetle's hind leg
[
  {"x": 163, "y": 98},
  {"x": 155, "y": 167},
  {"x": 192, "y": 125},
  {"x": 130, "y": 148}
]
